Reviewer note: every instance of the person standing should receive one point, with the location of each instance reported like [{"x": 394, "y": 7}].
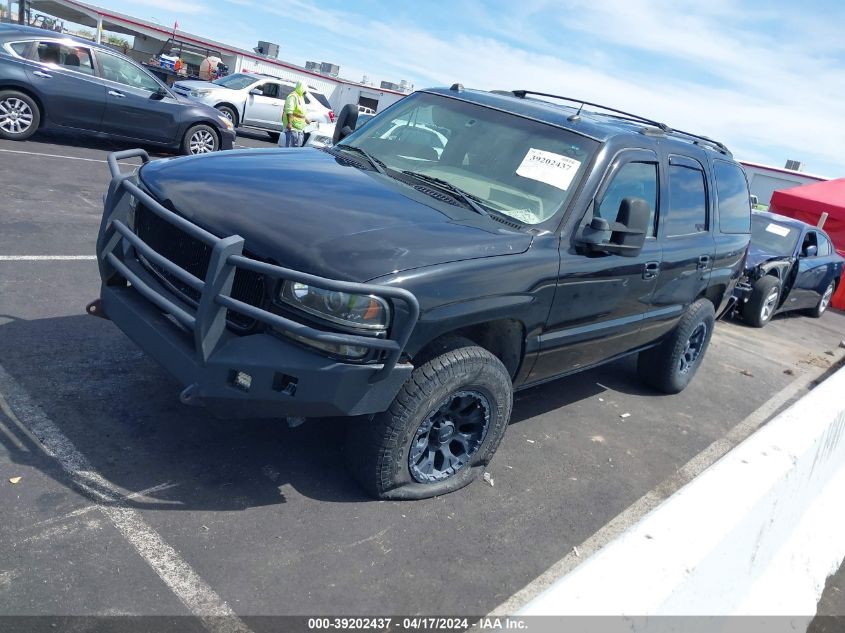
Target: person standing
[{"x": 293, "y": 118}]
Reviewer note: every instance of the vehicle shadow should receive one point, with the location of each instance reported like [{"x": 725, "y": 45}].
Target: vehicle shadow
[
  {"x": 619, "y": 376},
  {"x": 121, "y": 411},
  {"x": 255, "y": 135},
  {"x": 93, "y": 141}
]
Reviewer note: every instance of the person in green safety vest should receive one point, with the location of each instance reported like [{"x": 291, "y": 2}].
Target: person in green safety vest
[{"x": 293, "y": 117}]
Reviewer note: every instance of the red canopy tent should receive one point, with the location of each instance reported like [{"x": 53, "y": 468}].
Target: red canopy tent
[{"x": 807, "y": 203}]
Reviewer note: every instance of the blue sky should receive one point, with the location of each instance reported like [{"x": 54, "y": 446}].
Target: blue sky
[{"x": 766, "y": 78}]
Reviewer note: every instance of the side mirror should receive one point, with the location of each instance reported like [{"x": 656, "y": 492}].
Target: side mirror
[
  {"x": 257, "y": 92},
  {"x": 811, "y": 251},
  {"x": 345, "y": 123},
  {"x": 624, "y": 237},
  {"x": 159, "y": 94}
]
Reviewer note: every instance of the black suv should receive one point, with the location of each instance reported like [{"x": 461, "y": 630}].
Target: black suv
[{"x": 461, "y": 245}]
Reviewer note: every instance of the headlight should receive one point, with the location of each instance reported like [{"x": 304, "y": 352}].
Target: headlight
[
  {"x": 226, "y": 121},
  {"x": 199, "y": 93},
  {"x": 358, "y": 311}
]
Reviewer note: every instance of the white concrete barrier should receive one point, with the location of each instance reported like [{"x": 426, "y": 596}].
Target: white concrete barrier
[{"x": 757, "y": 533}]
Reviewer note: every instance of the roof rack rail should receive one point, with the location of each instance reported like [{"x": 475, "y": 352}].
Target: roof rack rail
[
  {"x": 634, "y": 117},
  {"x": 705, "y": 140},
  {"x": 621, "y": 114}
]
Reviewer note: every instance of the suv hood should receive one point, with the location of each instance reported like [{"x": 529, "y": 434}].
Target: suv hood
[{"x": 307, "y": 210}]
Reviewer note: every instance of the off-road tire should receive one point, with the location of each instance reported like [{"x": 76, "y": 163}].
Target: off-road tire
[
  {"x": 668, "y": 367},
  {"x": 823, "y": 305},
  {"x": 378, "y": 447},
  {"x": 229, "y": 113},
  {"x": 26, "y": 109},
  {"x": 200, "y": 131},
  {"x": 752, "y": 311}
]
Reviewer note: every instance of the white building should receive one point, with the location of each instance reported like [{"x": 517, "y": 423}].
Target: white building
[{"x": 763, "y": 180}]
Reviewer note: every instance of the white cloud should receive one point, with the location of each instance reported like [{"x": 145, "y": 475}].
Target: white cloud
[{"x": 718, "y": 70}]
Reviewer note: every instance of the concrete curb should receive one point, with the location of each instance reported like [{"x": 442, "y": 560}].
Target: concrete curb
[{"x": 757, "y": 533}]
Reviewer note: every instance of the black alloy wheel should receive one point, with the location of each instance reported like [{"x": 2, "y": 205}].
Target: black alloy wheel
[{"x": 449, "y": 436}]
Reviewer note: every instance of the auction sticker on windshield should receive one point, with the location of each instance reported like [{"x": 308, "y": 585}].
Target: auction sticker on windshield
[
  {"x": 777, "y": 229},
  {"x": 548, "y": 167}
]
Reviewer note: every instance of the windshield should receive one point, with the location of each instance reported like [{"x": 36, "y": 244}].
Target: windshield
[
  {"x": 773, "y": 237},
  {"x": 236, "y": 81},
  {"x": 518, "y": 167}
]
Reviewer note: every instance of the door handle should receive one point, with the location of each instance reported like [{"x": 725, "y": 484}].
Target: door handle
[
  {"x": 115, "y": 93},
  {"x": 651, "y": 269},
  {"x": 41, "y": 73},
  {"x": 703, "y": 262}
]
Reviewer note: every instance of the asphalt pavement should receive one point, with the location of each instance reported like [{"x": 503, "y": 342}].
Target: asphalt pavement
[{"x": 130, "y": 503}]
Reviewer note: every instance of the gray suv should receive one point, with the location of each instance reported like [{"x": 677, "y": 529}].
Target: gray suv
[{"x": 50, "y": 79}]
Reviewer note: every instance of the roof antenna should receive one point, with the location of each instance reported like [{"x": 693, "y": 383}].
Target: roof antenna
[{"x": 577, "y": 115}]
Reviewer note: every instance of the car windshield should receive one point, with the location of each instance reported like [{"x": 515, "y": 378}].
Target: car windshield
[
  {"x": 516, "y": 166},
  {"x": 773, "y": 237},
  {"x": 237, "y": 81}
]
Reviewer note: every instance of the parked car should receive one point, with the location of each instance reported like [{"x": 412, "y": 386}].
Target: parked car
[
  {"x": 53, "y": 80},
  {"x": 791, "y": 265},
  {"x": 416, "y": 289},
  {"x": 323, "y": 135},
  {"x": 255, "y": 101}
]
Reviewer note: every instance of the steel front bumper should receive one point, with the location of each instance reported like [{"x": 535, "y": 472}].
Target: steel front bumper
[{"x": 254, "y": 375}]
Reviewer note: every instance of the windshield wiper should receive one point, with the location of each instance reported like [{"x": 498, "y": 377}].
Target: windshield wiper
[
  {"x": 376, "y": 163},
  {"x": 467, "y": 198}
]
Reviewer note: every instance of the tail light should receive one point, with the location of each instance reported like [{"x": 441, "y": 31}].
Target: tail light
[{"x": 331, "y": 116}]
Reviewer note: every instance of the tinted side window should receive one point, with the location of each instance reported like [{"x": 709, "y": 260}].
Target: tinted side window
[
  {"x": 322, "y": 99},
  {"x": 734, "y": 198},
  {"x": 824, "y": 245},
  {"x": 633, "y": 180},
  {"x": 284, "y": 91},
  {"x": 687, "y": 201},
  {"x": 20, "y": 48},
  {"x": 125, "y": 72},
  {"x": 270, "y": 90},
  {"x": 76, "y": 58}
]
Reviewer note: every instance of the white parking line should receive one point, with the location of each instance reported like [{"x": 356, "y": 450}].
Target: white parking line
[
  {"x": 183, "y": 581},
  {"x": 649, "y": 501},
  {"x": 39, "y": 258},
  {"x": 90, "y": 160}
]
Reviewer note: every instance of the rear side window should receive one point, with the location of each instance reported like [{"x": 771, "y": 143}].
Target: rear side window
[
  {"x": 322, "y": 99},
  {"x": 633, "y": 180},
  {"x": 76, "y": 58},
  {"x": 824, "y": 245},
  {"x": 687, "y": 201},
  {"x": 734, "y": 198},
  {"x": 19, "y": 48},
  {"x": 270, "y": 90}
]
